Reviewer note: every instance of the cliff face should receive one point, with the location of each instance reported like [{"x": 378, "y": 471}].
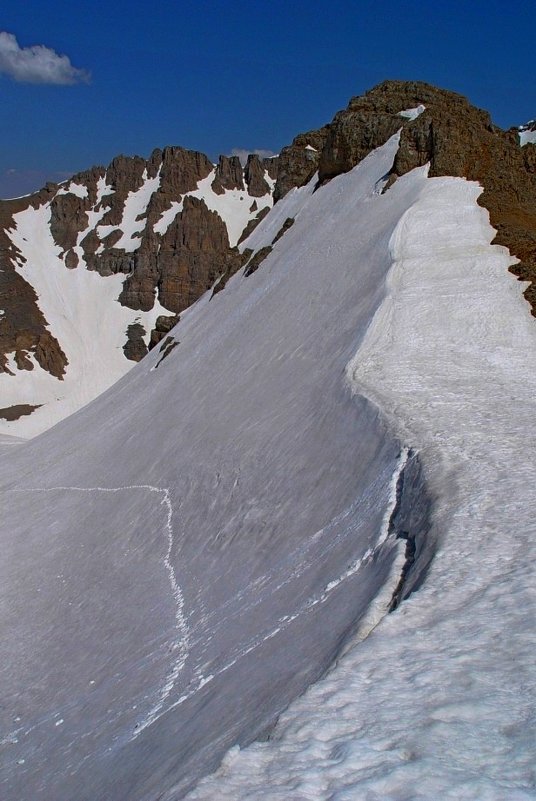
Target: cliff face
[{"x": 169, "y": 225}]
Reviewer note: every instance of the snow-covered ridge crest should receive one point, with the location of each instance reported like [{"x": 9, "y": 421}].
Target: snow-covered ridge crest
[
  {"x": 434, "y": 703},
  {"x": 280, "y": 481}
]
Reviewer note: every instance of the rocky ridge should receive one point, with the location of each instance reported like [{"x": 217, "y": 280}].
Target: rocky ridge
[
  {"x": 174, "y": 225},
  {"x": 140, "y": 218}
]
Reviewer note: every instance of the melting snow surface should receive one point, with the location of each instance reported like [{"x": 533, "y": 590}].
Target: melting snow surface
[{"x": 412, "y": 113}]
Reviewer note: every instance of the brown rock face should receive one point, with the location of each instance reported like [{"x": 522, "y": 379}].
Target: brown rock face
[
  {"x": 135, "y": 348},
  {"x": 298, "y": 162},
  {"x": 256, "y": 260},
  {"x": 164, "y": 324},
  {"x": 229, "y": 175},
  {"x": 49, "y": 355},
  {"x": 252, "y": 224},
  {"x": 459, "y": 139},
  {"x": 254, "y": 175},
  {"x": 15, "y": 412},
  {"x": 23, "y": 329},
  {"x": 194, "y": 252},
  {"x": 289, "y": 222},
  {"x": 271, "y": 165}
]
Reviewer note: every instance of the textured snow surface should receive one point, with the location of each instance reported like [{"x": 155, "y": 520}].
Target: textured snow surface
[
  {"x": 185, "y": 555},
  {"x": 82, "y": 312},
  {"x": 412, "y": 113},
  {"x": 439, "y": 701},
  {"x": 189, "y": 552},
  {"x": 526, "y": 137}
]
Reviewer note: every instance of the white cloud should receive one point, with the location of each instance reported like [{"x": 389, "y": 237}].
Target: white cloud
[
  {"x": 37, "y": 64},
  {"x": 243, "y": 154}
]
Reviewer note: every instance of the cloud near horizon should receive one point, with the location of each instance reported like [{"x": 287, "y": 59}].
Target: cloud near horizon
[
  {"x": 243, "y": 154},
  {"x": 37, "y": 64}
]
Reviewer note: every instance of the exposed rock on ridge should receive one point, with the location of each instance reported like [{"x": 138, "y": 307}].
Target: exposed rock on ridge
[
  {"x": 457, "y": 139},
  {"x": 161, "y": 223}
]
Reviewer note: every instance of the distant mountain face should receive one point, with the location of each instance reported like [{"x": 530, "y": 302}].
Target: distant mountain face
[{"x": 97, "y": 270}]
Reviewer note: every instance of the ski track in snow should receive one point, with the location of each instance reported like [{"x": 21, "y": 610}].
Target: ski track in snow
[{"x": 183, "y": 644}]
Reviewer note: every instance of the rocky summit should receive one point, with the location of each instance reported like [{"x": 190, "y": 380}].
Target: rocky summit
[{"x": 156, "y": 234}]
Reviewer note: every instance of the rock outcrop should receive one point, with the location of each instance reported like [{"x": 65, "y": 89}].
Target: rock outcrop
[
  {"x": 164, "y": 226},
  {"x": 441, "y": 128},
  {"x": 229, "y": 175},
  {"x": 23, "y": 328},
  {"x": 145, "y": 219},
  {"x": 298, "y": 162}
]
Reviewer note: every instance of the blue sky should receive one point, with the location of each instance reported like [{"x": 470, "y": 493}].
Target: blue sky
[{"x": 215, "y": 75}]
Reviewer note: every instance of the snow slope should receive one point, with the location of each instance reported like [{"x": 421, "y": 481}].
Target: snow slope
[
  {"x": 187, "y": 554},
  {"x": 84, "y": 315},
  {"x": 439, "y": 701}
]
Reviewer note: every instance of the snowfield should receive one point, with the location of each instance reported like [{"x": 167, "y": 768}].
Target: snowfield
[{"x": 191, "y": 551}]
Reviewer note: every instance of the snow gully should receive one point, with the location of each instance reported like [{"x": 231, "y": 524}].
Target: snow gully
[{"x": 410, "y": 520}]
